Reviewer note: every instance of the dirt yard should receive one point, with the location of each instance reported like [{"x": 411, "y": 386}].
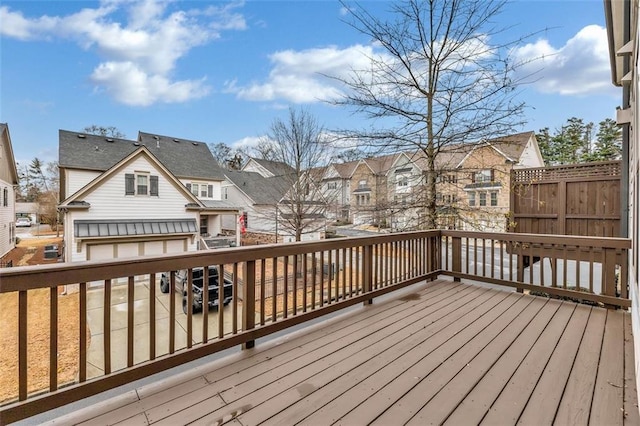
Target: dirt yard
[{"x": 31, "y": 252}]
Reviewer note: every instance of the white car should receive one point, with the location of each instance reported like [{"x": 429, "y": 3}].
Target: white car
[{"x": 23, "y": 221}]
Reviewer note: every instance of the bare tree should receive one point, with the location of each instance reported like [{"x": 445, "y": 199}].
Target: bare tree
[
  {"x": 441, "y": 78},
  {"x": 300, "y": 142},
  {"x": 110, "y": 131}
]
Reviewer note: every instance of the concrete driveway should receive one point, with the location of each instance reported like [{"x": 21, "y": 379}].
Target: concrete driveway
[{"x": 95, "y": 320}]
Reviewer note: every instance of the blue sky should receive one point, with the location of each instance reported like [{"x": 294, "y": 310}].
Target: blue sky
[{"x": 222, "y": 71}]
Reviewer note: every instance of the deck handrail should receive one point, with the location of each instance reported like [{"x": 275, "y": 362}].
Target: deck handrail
[{"x": 359, "y": 269}]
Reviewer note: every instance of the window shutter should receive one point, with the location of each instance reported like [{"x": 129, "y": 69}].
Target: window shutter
[
  {"x": 210, "y": 191},
  {"x": 473, "y": 177},
  {"x": 153, "y": 182},
  {"x": 189, "y": 187},
  {"x": 492, "y": 176},
  {"x": 129, "y": 184}
]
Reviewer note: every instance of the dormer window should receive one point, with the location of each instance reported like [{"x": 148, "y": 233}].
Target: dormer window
[{"x": 483, "y": 176}]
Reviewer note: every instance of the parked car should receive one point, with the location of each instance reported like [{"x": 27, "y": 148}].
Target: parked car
[
  {"x": 23, "y": 222},
  {"x": 197, "y": 284}
]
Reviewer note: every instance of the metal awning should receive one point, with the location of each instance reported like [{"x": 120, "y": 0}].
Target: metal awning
[{"x": 132, "y": 227}]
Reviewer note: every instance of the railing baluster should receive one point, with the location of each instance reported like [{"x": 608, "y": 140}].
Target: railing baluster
[
  {"x": 285, "y": 290},
  {"x": 295, "y": 284},
  {"x": 205, "y": 301},
  {"x": 578, "y": 254},
  {"x": 152, "y": 315},
  {"x": 205, "y": 286},
  {"x": 531, "y": 263},
  {"x": 22, "y": 345},
  {"x": 172, "y": 312},
  {"x": 82, "y": 368},
  {"x": 234, "y": 302},
  {"x": 329, "y": 276},
  {"x": 107, "y": 326},
  {"x": 249, "y": 300},
  {"x": 344, "y": 273},
  {"x": 221, "y": 277},
  {"x": 591, "y": 261},
  {"x": 501, "y": 259},
  {"x": 274, "y": 289},
  {"x": 130, "y": 321},
  {"x": 564, "y": 266},
  {"x": 263, "y": 290},
  {"x": 313, "y": 280},
  {"x": 53, "y": 338}
]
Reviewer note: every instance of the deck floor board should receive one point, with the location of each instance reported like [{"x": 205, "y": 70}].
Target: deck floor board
[{"x": 449, "y": 352}]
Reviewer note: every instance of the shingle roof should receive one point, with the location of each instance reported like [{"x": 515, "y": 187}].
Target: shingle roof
[
  {"x": 381, "y": 164},
  {"x": 345, "y": 170},
  {"x": 277, "y": 168},
  {"x": 184, "y": 158},
  {"x": 260, "y": 189}
]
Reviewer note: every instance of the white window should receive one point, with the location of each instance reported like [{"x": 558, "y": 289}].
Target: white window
[
  {"x": 203, "y": 191},
  {"x": 225, "y": 193},
  {"x": 332, "y": 185},
  {"x": 362, "y": 183},
  {"x": 363, "y": 199},
  {"x": 483, "y": 199},
  {"x": 195, "y": 188},
  {"x": 142, "y": 184},
  {"x": 494, "y": 198},
  {"x": 472, "y": 198},
  {"x": 402, "y": 180}
]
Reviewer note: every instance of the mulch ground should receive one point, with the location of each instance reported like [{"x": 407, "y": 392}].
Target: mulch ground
[{"x": 31, "y": 252}]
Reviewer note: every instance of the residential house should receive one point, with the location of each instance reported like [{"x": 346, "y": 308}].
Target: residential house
[
  {"x": 623, "y": 31},
  {"x": 258, "y": 196},
  {"x": 8, "y": 184},
  {"x": 267, "y": 168},
  {"x": 472, "y": 183},
  {"x": 336, "y": 189},
  {"x": 123, "y": 198},
  {"x": 369, "y": 192}
]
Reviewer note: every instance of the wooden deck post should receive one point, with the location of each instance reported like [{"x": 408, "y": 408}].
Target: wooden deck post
[
  {"x": 248, "y": 300},
  {"x": 456, "y": 256},
  {"x": 609, "y": 275},
  {"x": 367, "y": 271}
]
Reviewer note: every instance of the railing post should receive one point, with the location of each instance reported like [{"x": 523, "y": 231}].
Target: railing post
[
  {"x": 367, "y": 271},
  {"x": 456, "y": 256},
  {"x": 248, "y": 300},
  {"x": 609, "y": 274}
]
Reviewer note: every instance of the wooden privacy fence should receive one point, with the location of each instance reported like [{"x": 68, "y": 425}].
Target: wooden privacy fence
[
  {"x": 127, "y": 329},
  {"x": 577, "y": 199}
]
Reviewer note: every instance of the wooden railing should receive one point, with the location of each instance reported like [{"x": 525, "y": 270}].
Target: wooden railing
[
  {"x": 581, "y": 268},
  {"x": 274, "y": 287},
  {"x": 145, "y": 331}
]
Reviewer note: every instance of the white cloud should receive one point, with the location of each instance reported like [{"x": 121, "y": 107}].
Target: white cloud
[
  {"x": 247, "y": 142},
  {"x": 130, "y": 85},
  {"x": 579, "y": 67},
  {"x": 300, "y": 76},
  {"x": 139, "y": 55}
]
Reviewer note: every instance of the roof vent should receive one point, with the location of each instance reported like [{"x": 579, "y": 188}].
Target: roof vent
[
  {"x": 109, "y": 140},
  {"x": 136, "y": 143},
  {"x": 176, "y": 140},
  {"x": 195, "y": 143},
  {"x": 96, "y": 148},
  {"x": 157, "y": 138},
  {"x": 158, "y": 144},
  {"x": 81, "y": 136}
]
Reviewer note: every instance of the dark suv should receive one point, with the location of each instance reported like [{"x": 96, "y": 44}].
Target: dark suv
[{"x": 181, "y": 285}]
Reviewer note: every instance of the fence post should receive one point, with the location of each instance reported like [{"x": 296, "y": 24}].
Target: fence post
[
  {"x": 248, "y": 300},
  {"x": 367, "y": 271},
  {"x": 456, "y": 256},
  {"x": 609, "y": 274}
]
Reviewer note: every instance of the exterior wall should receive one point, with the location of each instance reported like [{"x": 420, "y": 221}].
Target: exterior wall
[
  {"x": 77, "y": 179},
  {"x": 253, "y": 166},
  {"x": 108, "y": 201},
  {"x": 484, "y": 218},
  {"x": 405, "y": 184},
  {"x": 363, "y": 211},
  {"x": 217, "y": 188},
  {"x": 8, "y": 212},
  {"x": 7, "y": 217},
  {"x": 530, "y": 156}
]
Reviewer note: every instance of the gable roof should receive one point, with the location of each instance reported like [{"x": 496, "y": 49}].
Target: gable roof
[
  {"x": 510, "y": 147},
  {"x": 183, "y": 158},
  {"x": 345, "y": 170},
  {"x": 9, "y": 158},
  {"x": 260, "y": 189},
  {"x": 276, "y": 168},
  {"x": 78, "y": 196}
]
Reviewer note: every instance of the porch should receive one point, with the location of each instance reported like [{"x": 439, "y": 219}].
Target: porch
[
  {"x": 445, "y": 352},
  {"x": 437, "y": 350}
]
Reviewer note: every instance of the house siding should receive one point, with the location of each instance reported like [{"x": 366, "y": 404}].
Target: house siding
[
  {"x": 77, "y": 179},
  {"x": 108, "y": 201},
  {"x": 8, "y": 212}
]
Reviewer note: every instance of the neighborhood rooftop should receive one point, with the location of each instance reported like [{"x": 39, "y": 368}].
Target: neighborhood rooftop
[{"x": 184, "y": 158}]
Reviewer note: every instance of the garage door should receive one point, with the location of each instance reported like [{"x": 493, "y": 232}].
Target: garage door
[{"x": 123, "y": 250}]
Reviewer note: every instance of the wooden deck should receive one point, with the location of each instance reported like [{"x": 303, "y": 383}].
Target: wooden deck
[{"x": 447, "y": 353}]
